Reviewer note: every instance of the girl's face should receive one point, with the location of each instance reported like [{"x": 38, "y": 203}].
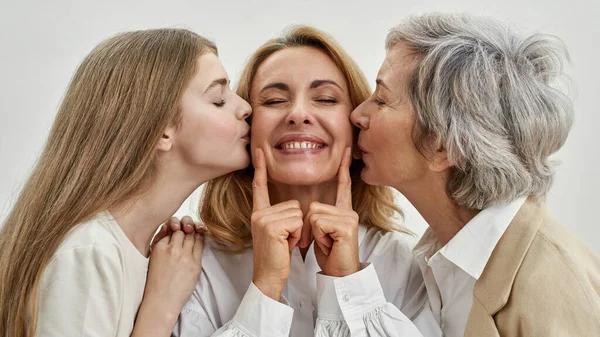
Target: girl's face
[{"x": 213, "y": 133}]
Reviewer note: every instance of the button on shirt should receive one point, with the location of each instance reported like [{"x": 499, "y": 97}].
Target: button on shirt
[
  {"x": 225, "y": 302},
  {"x": 450, "y": 272}
]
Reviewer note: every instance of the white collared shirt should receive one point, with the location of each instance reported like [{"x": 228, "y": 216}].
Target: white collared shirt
[
  {"x": 450, "y": 272},
  {"x": 226, "y": 300}
]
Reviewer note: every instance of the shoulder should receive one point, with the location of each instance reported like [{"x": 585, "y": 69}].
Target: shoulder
[
  {"x": 224, "y": 268},
  {"x": 560, "y": 273},
  {"x": 96, "y": 232},
  {"x": 82, "y": 288},
  {"x": 90, "y": 248},
  {"x": 388, "y": 251},
  {"x": 377, "y": 242},
  {"x": 556, "y": 250},
  {"x": 217, "y": 253}
]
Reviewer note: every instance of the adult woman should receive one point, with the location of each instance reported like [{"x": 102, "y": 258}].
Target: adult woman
[
  {"x": 462, "y": 122},
  {"x": 302, "y": 87},
  {"x": 131, "y": 140}
]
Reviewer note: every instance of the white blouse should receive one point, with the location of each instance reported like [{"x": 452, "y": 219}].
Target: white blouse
[
  {"x": 450, "y": 273},
  {"x": 94, "y": 283},
  {"x": 226, "y": 302}
]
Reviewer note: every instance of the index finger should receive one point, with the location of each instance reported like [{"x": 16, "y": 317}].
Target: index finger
[
  {"x": 260, "y": 191},
  {"x": 344, "y": 187}
]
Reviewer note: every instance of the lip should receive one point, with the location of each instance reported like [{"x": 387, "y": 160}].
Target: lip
[
  {"x": 299, "y": 138},
  {"x": 362, "y": 149},
  {"x": 246, "y": 137}
]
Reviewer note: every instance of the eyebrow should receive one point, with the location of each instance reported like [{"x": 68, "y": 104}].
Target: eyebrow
[
  {"x": 318, "y": 83},
  {"x": 221, "y": 81},
  {"x": 381, "y": 83},
  {"x": 284, "y": 87},
  {"x": 276, "y": 85}
]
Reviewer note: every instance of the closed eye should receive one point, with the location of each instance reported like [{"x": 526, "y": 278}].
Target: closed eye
[
  {"x": 327, "y": 100},
  {"x": 378, "y": 101},
  {"x": 274, "y": 102},
  {"x": 220, "y": 103}
]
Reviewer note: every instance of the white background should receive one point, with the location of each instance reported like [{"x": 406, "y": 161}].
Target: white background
[{"x": 42, "y": 43}]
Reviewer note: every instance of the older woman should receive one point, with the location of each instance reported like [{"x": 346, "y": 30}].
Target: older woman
[
  {"x": 462, "y": 122},
  {"x": 300, "y": 208}
]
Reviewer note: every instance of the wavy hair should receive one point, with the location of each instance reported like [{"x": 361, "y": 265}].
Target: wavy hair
[
  {"x": 226, "y": 203},
  {"x": 487, "y": 95},
  {"x": 101, "y": 151}
]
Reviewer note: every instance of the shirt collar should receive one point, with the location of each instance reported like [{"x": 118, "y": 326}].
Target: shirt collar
[{"x": 471, "y": 248}]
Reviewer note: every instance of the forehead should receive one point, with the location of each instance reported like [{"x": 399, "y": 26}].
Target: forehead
[
  {"x": 209, "y": 68},
  {"x": 300, "y": 65},
  {"x": 398, "y": 65}
]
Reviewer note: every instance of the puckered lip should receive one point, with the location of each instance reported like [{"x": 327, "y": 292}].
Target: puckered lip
[
  {"x": 299, "y": 138},
  {"x": 362, "y": 149},
  {"x": 247, "y": 135}
]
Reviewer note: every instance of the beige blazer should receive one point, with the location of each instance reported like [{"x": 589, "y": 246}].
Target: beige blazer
[{"x": 541, "y": 280}]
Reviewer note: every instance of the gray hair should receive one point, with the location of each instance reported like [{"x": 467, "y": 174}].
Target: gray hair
[{"x": 486, "y": 95}]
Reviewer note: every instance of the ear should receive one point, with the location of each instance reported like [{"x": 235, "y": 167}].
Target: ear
[
  {"x": 166, "y": 141},
  {"x": 438, "y": 160}
]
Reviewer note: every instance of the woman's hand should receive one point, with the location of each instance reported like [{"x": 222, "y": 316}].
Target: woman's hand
[
  {"x": 175, "y": 265},
  {"x": 335, "y": 228},
  {"x": 275, "y": 231},
  {"x": 186, "y": 224}
]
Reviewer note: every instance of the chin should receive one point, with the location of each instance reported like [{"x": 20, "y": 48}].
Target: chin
[
  {"x": 243, "y": 164},
  {"x": 233, "y": 166},
  {"x": 369, "y": 178},
  {"x": 243, "y": 160},
  {"x": 302, "y": 178}
]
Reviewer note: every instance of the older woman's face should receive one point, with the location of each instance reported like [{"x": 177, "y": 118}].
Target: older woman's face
[
  {"x": 386, "y": 121},
  {"x": 301, "y": 110}
]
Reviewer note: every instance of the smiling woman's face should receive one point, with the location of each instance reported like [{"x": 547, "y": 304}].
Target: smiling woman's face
[{"x": 301, "y": 110}]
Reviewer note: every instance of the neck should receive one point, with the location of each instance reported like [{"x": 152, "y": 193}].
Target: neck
[
  {"x": 428, "y": 195},
  {"x": 140, "y": 217}
]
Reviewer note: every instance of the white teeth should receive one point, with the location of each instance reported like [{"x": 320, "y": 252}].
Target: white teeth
[{"x": 300, "y": 145}]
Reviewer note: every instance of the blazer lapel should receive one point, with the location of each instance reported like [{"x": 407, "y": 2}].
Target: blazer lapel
[{"x": 493, "y": 288}]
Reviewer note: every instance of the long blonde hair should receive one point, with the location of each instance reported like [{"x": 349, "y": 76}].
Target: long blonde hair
[
  {"x": 100, "y": 152},
  {"x": 226, "y": 204}
]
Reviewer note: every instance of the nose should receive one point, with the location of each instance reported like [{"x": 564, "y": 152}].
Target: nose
[
  {"x": 299, "y": 114},
  {"x": 360, "y": 117},
  {"x": 244, "y": 109}
]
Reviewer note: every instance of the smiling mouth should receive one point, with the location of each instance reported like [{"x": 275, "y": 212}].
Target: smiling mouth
[{"x": 300, "y": 145}]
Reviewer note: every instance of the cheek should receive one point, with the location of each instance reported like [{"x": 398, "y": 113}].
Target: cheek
[
  {"x": 261, "y": 127},
  {"x": 341, "y": 126},
  {"x": 391, "y": 137},
  {"x": 212, "y": 130}
]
